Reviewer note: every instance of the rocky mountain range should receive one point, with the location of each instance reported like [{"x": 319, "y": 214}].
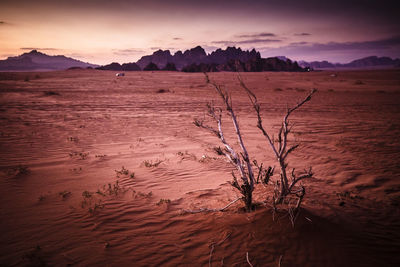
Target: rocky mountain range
[
  {"x": 196, "y": 55},
  {"x": 367, "y": 62},
  {"x": 35, "y": 60},
  {"x": 191, "y": 60}
]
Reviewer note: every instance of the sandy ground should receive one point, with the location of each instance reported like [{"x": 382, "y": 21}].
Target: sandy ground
[{"x": 95, "y": 170}]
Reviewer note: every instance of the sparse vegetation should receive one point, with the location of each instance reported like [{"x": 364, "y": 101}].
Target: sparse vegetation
[
  {"x": 163, "y": 201},
  {"x": 124, "y": 172},
  {"x": 187, "y": 155},
  {"x": 19, "y": 171},
  {"x": 65, "y": 194},
  {"x": 286, "y": 187},
  {"x": 50, "y": 93},
  {"x": 161, "y": 91},
  {"x": 86, "y": 194},
  {"x": 151, "y": 164},
  {"x": 218, "y": 150},
  {"x": 358, "y": 82},
  {"x": 79, "y": 155},
  {"x": 97, "y": 206}
]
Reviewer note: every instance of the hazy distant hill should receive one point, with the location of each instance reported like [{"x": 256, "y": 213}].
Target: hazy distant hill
[
  {"x": 35, "y": 60},
  {"x": 367, "y": 62}
]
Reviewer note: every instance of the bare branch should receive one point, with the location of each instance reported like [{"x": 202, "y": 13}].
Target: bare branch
[
  {"x": 200, "y": 124},
  {"x": 209, "y": 259},
  {"x": 248, "y": 261},
  {"x": 290, "y": 150},
  {"x": 256, "y": 107},
  {"x": 308, "y": 174}
]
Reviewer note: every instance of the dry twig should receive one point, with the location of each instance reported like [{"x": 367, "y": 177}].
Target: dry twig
[{"x": 248, "y": 261}]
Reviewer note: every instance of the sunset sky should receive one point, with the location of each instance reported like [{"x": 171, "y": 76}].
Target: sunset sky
[{"x": 104, "y": 31}]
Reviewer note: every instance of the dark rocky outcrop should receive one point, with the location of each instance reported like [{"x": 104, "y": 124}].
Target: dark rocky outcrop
[
  {"x": 220, "y": 56},
  {"x": 197, "y": 55},
  {"x": 113, "y": 66},
  {"x": 130, "y": 67},
  {"x": 253, "y": 65},
  {"x": 170, "y": 67},
  {"x": 202, "y": 67},
  {"x": 159, "y": 58},
  {"x": 118, "y": 67},
  {"x": 151, "y": 66},
  {"x": 230, "y": 59}
]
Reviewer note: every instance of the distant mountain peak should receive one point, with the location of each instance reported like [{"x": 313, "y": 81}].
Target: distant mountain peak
[
  {"x": 35, "y": 60},
  {"x": 362, "y": 63}
]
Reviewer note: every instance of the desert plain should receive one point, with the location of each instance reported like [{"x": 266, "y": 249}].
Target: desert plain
[{"x": 98, "y": 170}]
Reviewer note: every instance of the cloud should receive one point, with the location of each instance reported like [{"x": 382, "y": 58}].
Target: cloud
[
  {"x": 40, "y": 48},
  {"x": 299, "y": 43},
  {"x": 302, "y": 34},
  {"x": 256, "y": 35},
  {"x": 127, "y": 51},
  {"x": 366, "y": 45},
  {"x": 248, "y": 41},
  {"x": 162, "y": 48},
  {"x": 337, "y": 51}
]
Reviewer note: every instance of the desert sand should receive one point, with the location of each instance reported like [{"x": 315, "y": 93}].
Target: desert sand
[{"x": 96, "y": 170}]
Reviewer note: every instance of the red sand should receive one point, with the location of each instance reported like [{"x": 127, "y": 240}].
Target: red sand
[{"x": 71, "y": 130}]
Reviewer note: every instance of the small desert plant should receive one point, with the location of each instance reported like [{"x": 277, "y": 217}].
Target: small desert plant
[
  {"x": 86, "y": 194},
  {"x": 285, "y": 186},
  {"x": 162, "y": 201},
  {"x": 97, "y": 206},
  {"x": 50, "y": 93},
  {"x": 161, "y": 91},
  {"x": 245, "y": 185},
  {"x": 123, "y": 171},
  {"x": 219, "y": 151},
  {"x": 150, "y": 163},
  {"x": 65, "y": 194},
  {"x": 19, "y": 171},
  {"x": 358, "y": 82}
]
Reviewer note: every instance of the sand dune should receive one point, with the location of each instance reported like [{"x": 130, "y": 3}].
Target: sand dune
[{"x": 97, "y": 169}]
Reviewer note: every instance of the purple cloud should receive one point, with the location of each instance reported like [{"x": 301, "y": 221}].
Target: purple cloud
[
  {"x": 302, "y": 34},
  {"x": 256, "y": 35},
  {"x": 248, "y": 41},
  {"x": 337, "y": 51},
  {"x": 40, "y": 48},
  {"x": 127, "y": 51}
]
